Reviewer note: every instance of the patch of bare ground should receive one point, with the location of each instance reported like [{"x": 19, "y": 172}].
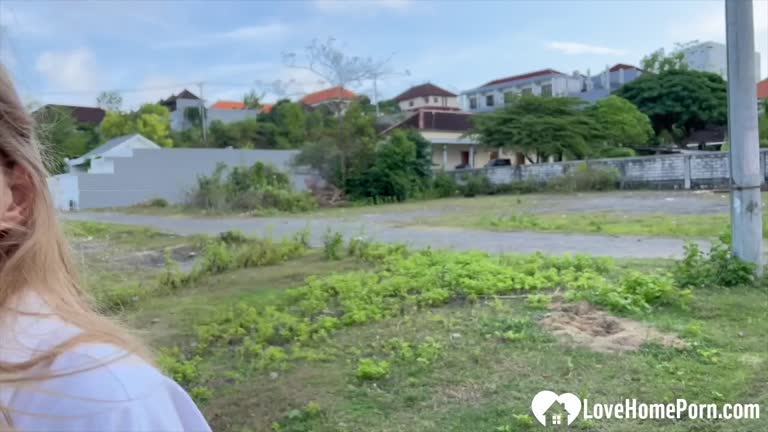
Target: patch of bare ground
[{"x": 584, "y": 324}]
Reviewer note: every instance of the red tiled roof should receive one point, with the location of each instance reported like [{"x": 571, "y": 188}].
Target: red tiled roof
[
  {"x": 331, "y": 94},
  {"x": 762, "y": 89},
  {"x": 231, "y": 105},
  {"x": 266, "y": 108},
  {"x": 423, "y": 90},
  {"x": 524, "y": 76},
  {"x": 621, "y": 66}
]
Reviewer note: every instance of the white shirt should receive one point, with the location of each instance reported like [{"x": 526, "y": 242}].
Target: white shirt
[{"x": 107, "y": 390}]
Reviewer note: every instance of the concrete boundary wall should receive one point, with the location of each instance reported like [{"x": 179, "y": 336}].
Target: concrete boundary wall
[
  {"x": 172, "y": 173},
  {"x": 683, "y": 171}
]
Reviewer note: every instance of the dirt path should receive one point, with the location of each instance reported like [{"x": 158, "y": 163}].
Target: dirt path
[{"x": 439, "y": 238}]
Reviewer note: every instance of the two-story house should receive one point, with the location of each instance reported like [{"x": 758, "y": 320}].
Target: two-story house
[
  {"x": 337, "y": 98},
  {"x": 547, "y": 82},
  {"x": 611, "y": 79},
  {"x": 427, "y": 96}
]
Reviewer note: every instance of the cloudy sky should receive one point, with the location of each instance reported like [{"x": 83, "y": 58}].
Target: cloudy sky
[{"x": 69, "y": 51}]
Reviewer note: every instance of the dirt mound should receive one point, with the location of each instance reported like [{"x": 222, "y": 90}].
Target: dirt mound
[{"x": 585, "y": 325}]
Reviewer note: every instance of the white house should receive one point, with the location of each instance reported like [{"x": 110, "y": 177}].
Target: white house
[
  {"x": 427, "y": 96},
  {"x": 547, "y": 82},
  {"x": 100, "y": 159},
  {"x": 711, "y": 57}
]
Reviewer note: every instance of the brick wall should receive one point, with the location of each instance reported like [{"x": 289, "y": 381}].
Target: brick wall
[{"x": 700, "y": 170}]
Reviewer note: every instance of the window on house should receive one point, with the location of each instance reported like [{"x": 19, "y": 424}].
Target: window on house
[
  {"x": 436, "y": 100},
  {"x": 473, "y": 103},
  {"x": 410, "y": 103},
  {"x": 527, "y": 91},
  {"x": 426, "y": 99},
  {"x": 546, "y": 90},
  {"x": 489, "y": 100}
]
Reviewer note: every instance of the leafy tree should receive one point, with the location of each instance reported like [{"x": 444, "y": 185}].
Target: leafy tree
[
  {"x": 252, "y": 100},
  {"x": 541, "y": 126},
  {"x": 290, "y": 122},
  {"x": 623, "y": 124},
  {"x": 344, "y": 151},
  {"x": 679, "y": 101},
  {"x": 398, "y": 171},
  {"x": 115, "y": 125},
  {"x": 658, "y": 62},
  {"x": 109, "y": 101},
  {"x": 63, "y": 138},
  {"x": 151, "y": 120}
]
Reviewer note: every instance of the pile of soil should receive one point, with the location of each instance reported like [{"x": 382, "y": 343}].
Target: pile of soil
[{"x": 600, "y": 331}]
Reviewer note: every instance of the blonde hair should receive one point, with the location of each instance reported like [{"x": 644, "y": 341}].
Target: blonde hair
[{"x": 36, "y": 255}]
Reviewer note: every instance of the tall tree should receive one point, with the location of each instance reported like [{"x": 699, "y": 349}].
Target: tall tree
[
  {"x": 338, "y": 70},
  {"x": 658, "y": 61},
  {"x": 679, "y": 101},
  {"x": 541, "y": 127},
  {"x": 63, "y": 138},
  {"x": 109, "y": 101},
  {"x": 623, "y": 124},
  {"x": 151, "y": 120},
  {"x": 252, "y": 100},
  {"x": 290, "y": 122}
]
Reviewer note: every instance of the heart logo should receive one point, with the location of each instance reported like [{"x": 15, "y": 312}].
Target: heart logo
[{"x": 544, "y": 400}]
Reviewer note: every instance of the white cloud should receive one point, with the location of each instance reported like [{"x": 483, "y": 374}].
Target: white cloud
[
  {"x": 69, "y": 71},
  {"x": 268, "y": 32},
  {"x": 347, "y": 6},
  {"x": 576, "y": 48},
  {"x": 255, "y": 33}
]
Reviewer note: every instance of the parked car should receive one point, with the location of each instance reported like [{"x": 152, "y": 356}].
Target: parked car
[
  {"x": 463, "y": 166},
  {"x": 498, "y": 162}
]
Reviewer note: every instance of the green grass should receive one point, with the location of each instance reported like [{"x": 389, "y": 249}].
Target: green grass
[
  {"x": 664, "y": 225},
  {"x": 464, "y": 375}
]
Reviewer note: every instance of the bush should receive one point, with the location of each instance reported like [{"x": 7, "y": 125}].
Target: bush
[
  {"x": 371, "y": 369},
  {"x": 156, "y": 202},
  {"x": 256, "y": 188},
  {"x": 332, "y": 244},
  {"x": 444, "y": 185},
  {"x": 476, "y": 184},
  {"x": 719, "y": 267},
  {"x": 585, "y": 177}
]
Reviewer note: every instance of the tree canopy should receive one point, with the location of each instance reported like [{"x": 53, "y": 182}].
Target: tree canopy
[
  {"x": 109, "y": 101},
  {"x": 541, "y": 126},
  {"x": 679, "y": 101},
  {"x": 151, "y": 120},
  {"x": 63, "y": 138},
  {"x": 622, "y": 123}
]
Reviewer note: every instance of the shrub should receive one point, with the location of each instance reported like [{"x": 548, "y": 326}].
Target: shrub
[
  {"x": 172, "y": 362},
  {"x": 719, "y": 267},
  {"x": 585, "y": 177},
  {"x": 171, "y": 279},
  {"x": 233, "y": 237},
  {"x": 332, "y": 244},
  {"x": 217, "y": 258},
  {"x": 371, "y": 369},
  {"x": 156, "y": 202},
  {"x": 259, "y": 187},
  {"x": 444, "y": 185},
  {"x": 476, "y": 184}
]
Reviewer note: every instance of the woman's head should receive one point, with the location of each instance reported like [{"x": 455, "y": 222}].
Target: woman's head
[{"x": 34, "y": 254}]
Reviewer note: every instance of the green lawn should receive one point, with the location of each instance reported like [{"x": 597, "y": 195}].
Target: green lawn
[
  {"x": 663, "y": 225},
  {"x": 453, "y": 367}
]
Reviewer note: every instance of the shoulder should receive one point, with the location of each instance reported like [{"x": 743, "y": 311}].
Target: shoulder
[{"x": 102, "y": 387}]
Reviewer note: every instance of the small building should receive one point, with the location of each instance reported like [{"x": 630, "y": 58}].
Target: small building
[
  {"x": 452, "y": 145},
  {"x": 223, "y": 111},
  {"x": 427, "y": 96},
  {"x": 611, "y": 79},
  {"x": 100, "y": 159},
  {"x": 332, "y": 97}
]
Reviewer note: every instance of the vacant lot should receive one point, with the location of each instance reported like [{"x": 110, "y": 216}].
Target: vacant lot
[{"x": 272, "y": 335}]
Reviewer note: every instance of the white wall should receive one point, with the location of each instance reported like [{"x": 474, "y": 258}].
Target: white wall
[
  {"x": 712, "y": 57},
  {"x": 64, "y": 191},
  {"x": 419, "y": 102}
]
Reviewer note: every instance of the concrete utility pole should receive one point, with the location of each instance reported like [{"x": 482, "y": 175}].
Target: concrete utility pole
[{"x": 746, "y": 177}]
